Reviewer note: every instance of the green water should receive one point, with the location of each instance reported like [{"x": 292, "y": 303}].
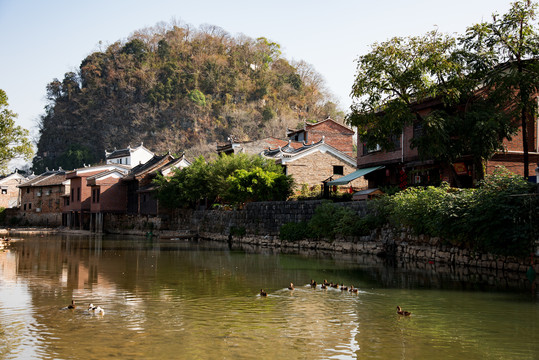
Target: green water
[{"x": 183, "y": 300}]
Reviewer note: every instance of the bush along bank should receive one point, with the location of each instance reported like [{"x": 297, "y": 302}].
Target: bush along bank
[{"x": 495, "y": 225}]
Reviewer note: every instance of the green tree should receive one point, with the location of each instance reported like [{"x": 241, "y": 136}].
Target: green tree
[
  {"x": 398, "y": 77},
  {"x": 258, "y": 184},
  {"x": 509, "y": 44},
  {"x": 235, "y": 178},
  {"x": 14, "y": 142}
]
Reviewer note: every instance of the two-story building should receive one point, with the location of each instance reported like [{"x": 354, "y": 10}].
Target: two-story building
[
  {"x": 41, "y": 198},
  {"x": 89, "y": 188},
  {"x": 139, "y": 183},
  {"x": 403, "y": 166}
]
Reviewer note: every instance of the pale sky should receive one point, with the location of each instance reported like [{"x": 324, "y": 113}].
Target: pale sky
[{"x": 42, "y": 40}]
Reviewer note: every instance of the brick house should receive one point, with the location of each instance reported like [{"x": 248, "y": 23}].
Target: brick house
[
  {"x": 314, "y": 164},
  {"x": 9, "y": 190},
  {"x": 404, "y": 162},
  {"x": 334, "y": 134},
  {"x": 41, "y": 198},
  {"x": 108, "y": 195},
  {"x": 139, "y": 183},
  {"x": 84, "y": 183},
  {"x": 311, "y": 155}
]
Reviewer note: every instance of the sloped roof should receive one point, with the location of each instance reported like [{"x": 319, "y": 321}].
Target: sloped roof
[
  {"x": 120, "y": 153},
  {"x": 289, "y": 153},
  {"x": 152, "y": 164},
  {"x": 344, "y": 128},
  {"x": 48, "y": 178}
]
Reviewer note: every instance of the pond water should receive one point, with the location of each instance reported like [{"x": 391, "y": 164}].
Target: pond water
[{"x": 167, "y": 299}]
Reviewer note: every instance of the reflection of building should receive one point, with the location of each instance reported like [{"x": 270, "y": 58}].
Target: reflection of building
[
  {"x": 9, "y": 191},
  {"x": 41, "y": 198}
]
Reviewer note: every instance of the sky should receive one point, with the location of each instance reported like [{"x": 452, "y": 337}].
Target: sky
[{"x": 42, "y": 40}]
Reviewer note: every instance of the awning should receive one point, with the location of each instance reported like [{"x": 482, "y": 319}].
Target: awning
[{"x": 352, "y": 176}]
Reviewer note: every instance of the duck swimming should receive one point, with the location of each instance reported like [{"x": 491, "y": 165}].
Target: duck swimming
[
  {"x": 263, "y": 293},
  {"x": 402, "y": 312},
  {"x": 72, "y": 306},
  {"x": 96, "y": 309},
  {"x": 291, "y": 287},
  {"x": 353, "y": 289},
  {"x": 313, "y": 284}
]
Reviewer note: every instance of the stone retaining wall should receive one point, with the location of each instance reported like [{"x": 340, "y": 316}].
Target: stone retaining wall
[{"x": 258, "y": 224}]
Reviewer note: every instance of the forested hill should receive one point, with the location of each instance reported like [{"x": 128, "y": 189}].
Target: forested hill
[{"x": 176, "y": 88}]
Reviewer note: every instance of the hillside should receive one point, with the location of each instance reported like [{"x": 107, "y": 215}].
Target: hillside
[{"x": 176, "y": 89}]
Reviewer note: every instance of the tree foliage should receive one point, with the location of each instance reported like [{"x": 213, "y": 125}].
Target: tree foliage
[
  {"x": 465, "y": 92},
  {"x": 174, "y": 88},
  {"x": 231, "y": 179},
  {"x": 509, "y": 44},
  {"x": 14, "y": 142}
]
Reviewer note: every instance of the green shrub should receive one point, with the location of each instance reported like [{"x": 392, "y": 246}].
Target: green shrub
[
  {"x": 294, "y": 231},
  {"x": 239, "y": 231},
  {"x": 500, "y": 216}
]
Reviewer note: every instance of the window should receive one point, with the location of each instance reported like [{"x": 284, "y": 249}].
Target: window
[
  {"x": 367, "y": 150},
  {"x": 418, "y": 130},
  {"x": 78, "y": 194},
  {"x": 4, "y": 190},
  {"x": 72, "y": 195},
  {"x": 24, "y": 207},
  {"x": 338, "y": 170},
  {"x": 29, "y": 206}
]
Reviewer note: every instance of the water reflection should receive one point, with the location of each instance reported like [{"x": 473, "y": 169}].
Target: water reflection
[{"x": 167, "y": 299}]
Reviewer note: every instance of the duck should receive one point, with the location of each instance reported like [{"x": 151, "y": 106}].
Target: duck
[
  {"x": 402, "y": 312},
  {"x": 326, "y": 283},
  {"x": 96, "y": 309},
  {"x": 353, "y": 289},
  {"x": 72, "y": 306},
  {"x": 344, "y": 288},
  {"x": 263, "y": 293},
  {"x": 291, "y": 287},
  {"x": 323, "y": 286},
  {"x": 313, "y": 284},
  {"x": 335, "y": 286}
]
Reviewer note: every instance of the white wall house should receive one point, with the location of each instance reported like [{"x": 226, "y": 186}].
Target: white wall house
[{"x": 130, "y": 156}]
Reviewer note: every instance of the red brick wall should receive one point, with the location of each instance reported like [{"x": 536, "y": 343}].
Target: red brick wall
[
  {"x": 335, "y": 135},
  {"x": 112, "y": 197}
]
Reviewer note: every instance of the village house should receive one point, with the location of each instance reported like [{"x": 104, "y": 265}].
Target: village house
[
  {"x": 403, "y": 166},
  {"x": 89, "y": 187},
  {"x": 41, "y": 198},
  {"x": 314, "y": 164},
  {"x": 317, "y": 153},
  {"x": 9, "y": 191},
  {"x": 139, "y": 183},
  {"x": 130, "y": 157}
]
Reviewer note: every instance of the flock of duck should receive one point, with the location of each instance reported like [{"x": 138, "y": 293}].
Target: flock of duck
[
  {"x": 98, "y": 310},
  {"x": 326, "y": 285}
]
